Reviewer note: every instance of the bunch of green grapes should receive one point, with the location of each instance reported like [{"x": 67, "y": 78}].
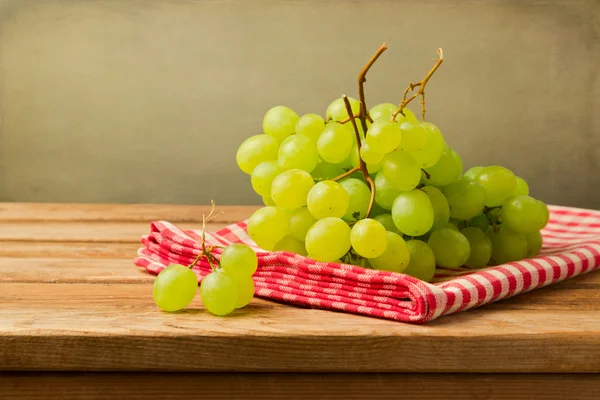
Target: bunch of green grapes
[
  {"x": 425, "y": 212},
  {"x": 229, "y": 286}
]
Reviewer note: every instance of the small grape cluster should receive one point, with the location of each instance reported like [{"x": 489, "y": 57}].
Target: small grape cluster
[
  {"x": 387, "y": 192},
  {"x": 228, "y": 287}
]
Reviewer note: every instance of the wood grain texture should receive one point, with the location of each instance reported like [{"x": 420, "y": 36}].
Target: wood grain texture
[
  {"x": 74, "y": 250},
  {"x": 118, "y": 327},
  {"x": 187, "y": 386}
]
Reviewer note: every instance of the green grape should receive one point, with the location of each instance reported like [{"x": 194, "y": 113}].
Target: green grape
[
  {"x": 432, "y": 151},
  {"x": 422, "y": 261},
  {"x": 408, "y": 116},
  {"x": 450, "y": 225},
  {"x": 385, "y": 193},
  {"x": 445, "y": 171},
  {"x": 245, "y": 291},
  {"x": 298, "y": 152},
  {"x": 267, "y": 226},
  {"x": 280, "y": 122},
  {"x": 458, "y": 222},
  {"x": 481, "y": 247},
  {"x": 525, "y": 214},
  {"x": 414, "y": 137},
  {"x": 325, "y": 170},
  {"x": 368, "y": 238},
  {"x": 328, "y": 239},
  {"x": 396, "y": 256},
  {"x": 384, "y": 136},
  {"x": 328, "y": 199},
  {"x": 413, "y": 213},
  {"x": 382, "y": 111},
  {"x": 480, "y": 221},
  {"x": 360, "y": 197},
  {"x": 219, "y": 293},
  {"x": 507, "y": 245},
  {"x": 369, "y": 155},
  {"x": 465, "y": 197},
  {"x": 388, "y": 223},
  {"x": 337, "y": 109},
  {"x": 499, "y": 184},
  {"x": 311, "y": 126},
  {"x": 290, "y": 188},
  {"x": 451, "y": 248},
  {"x": 292, "y": 245},
  {"x": 255, "y": 150},
  {"x": 262, "y": 177},
  {"x": 361, "y": 131},
  {"x": 534, "y": 244},
  {"x": 300, "y": 222},
  {"x": 401, "y": 170},
  {"x": 441, "y": 210},
  {"x": 459, "y": 164},
  {"x": 174, "y": 288},
  {"x": 238, "y": 261},
  {"x": 473, "y": 172},
  {"x": 335, "y": 143},
  {"x": 522, "y": 188},
  {"x": 268, "y": 201},
  {"x": 378, "y": 210}
]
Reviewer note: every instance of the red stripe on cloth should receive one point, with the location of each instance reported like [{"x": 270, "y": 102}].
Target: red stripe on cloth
[{"x": 571, "y": 247}]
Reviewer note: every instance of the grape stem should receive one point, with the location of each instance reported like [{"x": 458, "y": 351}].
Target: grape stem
[
  {"x": 361, "y": 164},
  {"x": 427, "y": 174},
  {"x": 362, "y": 78},
  {"x": 420, "y": 92},
  {"x": 354, "y": 116},
  {"x": 207, "y": 252},
  {"x": 346, "y": 174}
]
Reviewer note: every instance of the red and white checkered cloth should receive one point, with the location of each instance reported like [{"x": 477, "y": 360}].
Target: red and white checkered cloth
[{"x": 571, "y": 248}]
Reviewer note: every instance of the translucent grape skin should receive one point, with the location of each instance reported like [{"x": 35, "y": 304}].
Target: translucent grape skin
[
  {"x": 327, "y": 199},
  {"x": 267, "y": 226},
  {"x": 336, "y": 110},
  {"x": 480, "y": 221},
  {"x": 368, "y": 238},
  {"x": 459, "y": 164},
  {"x": 481, "y": 247},
  {"x": 384, "y": 136},
  {"x": 335, "y": 143},
  {"x": 290, "y": 189},
  {"x": 262, "y": 177},
  {"x": 219, "y": 293},
  {"x": 414, "y": 136},
  {"x": 369, "y": 155},
  {"x": 292, "y": 245},
  {"x": 525, "y": 214},
  {"x": 239, "y": 261},
  {"x": 300, "y": 222},
  {"x": 396, "y": 256},
  {"x": 507, "y": 245},
  {"x": 382, "y": 111},
  {"x": 328, "y": 239},
  {"x": 325, "y": 170},
  {"x": 245, "y": 291},
  {"x": 280, "y": 122},
  {"x": 401, "y": 170},
  {"x": 434, "y": 146},
  {"x": 441, "y": 209},
  {"x": 534, "y": 244},
  {"x": 359, "y": 198},
  {"x": 451, "y": 248},
  {"x": 413, "y": 213},
  {"x": 409, "y": 115},
  {"x": 472, "y": 172},
  {"x": 445, "y": 171},
  {"x": 385, "y": 193},
  {"x": 522, "y": 188},
  {"x": 298, "y": 152},
  {"x": 388, "y": 223},
  {"x": 499, "y": 184},
  {"x": 465, "y": 197},
  {"x": 255, "y": 150},
  {"x": 268, "y": 201},
  {"x": 422, "y": 261},
  {"x": 174, "y": 288},
  {"x": 311, "y": 126}
]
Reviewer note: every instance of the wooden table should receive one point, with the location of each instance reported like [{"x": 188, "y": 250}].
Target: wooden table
[{"x": 77, "y": 317}]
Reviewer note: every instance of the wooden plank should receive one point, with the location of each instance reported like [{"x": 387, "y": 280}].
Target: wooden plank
[
  {"x": 31, "y": 212},
  {"x": 115, "y": 232},
  {"x": 117, "y": 327},
  {"x": 182, "y": 386},
  {"x": 71, "y": 270},
  {"x": 26, "y": 249}
]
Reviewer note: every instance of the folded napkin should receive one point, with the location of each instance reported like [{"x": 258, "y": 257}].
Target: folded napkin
[{"x": 571, "y": 247}]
